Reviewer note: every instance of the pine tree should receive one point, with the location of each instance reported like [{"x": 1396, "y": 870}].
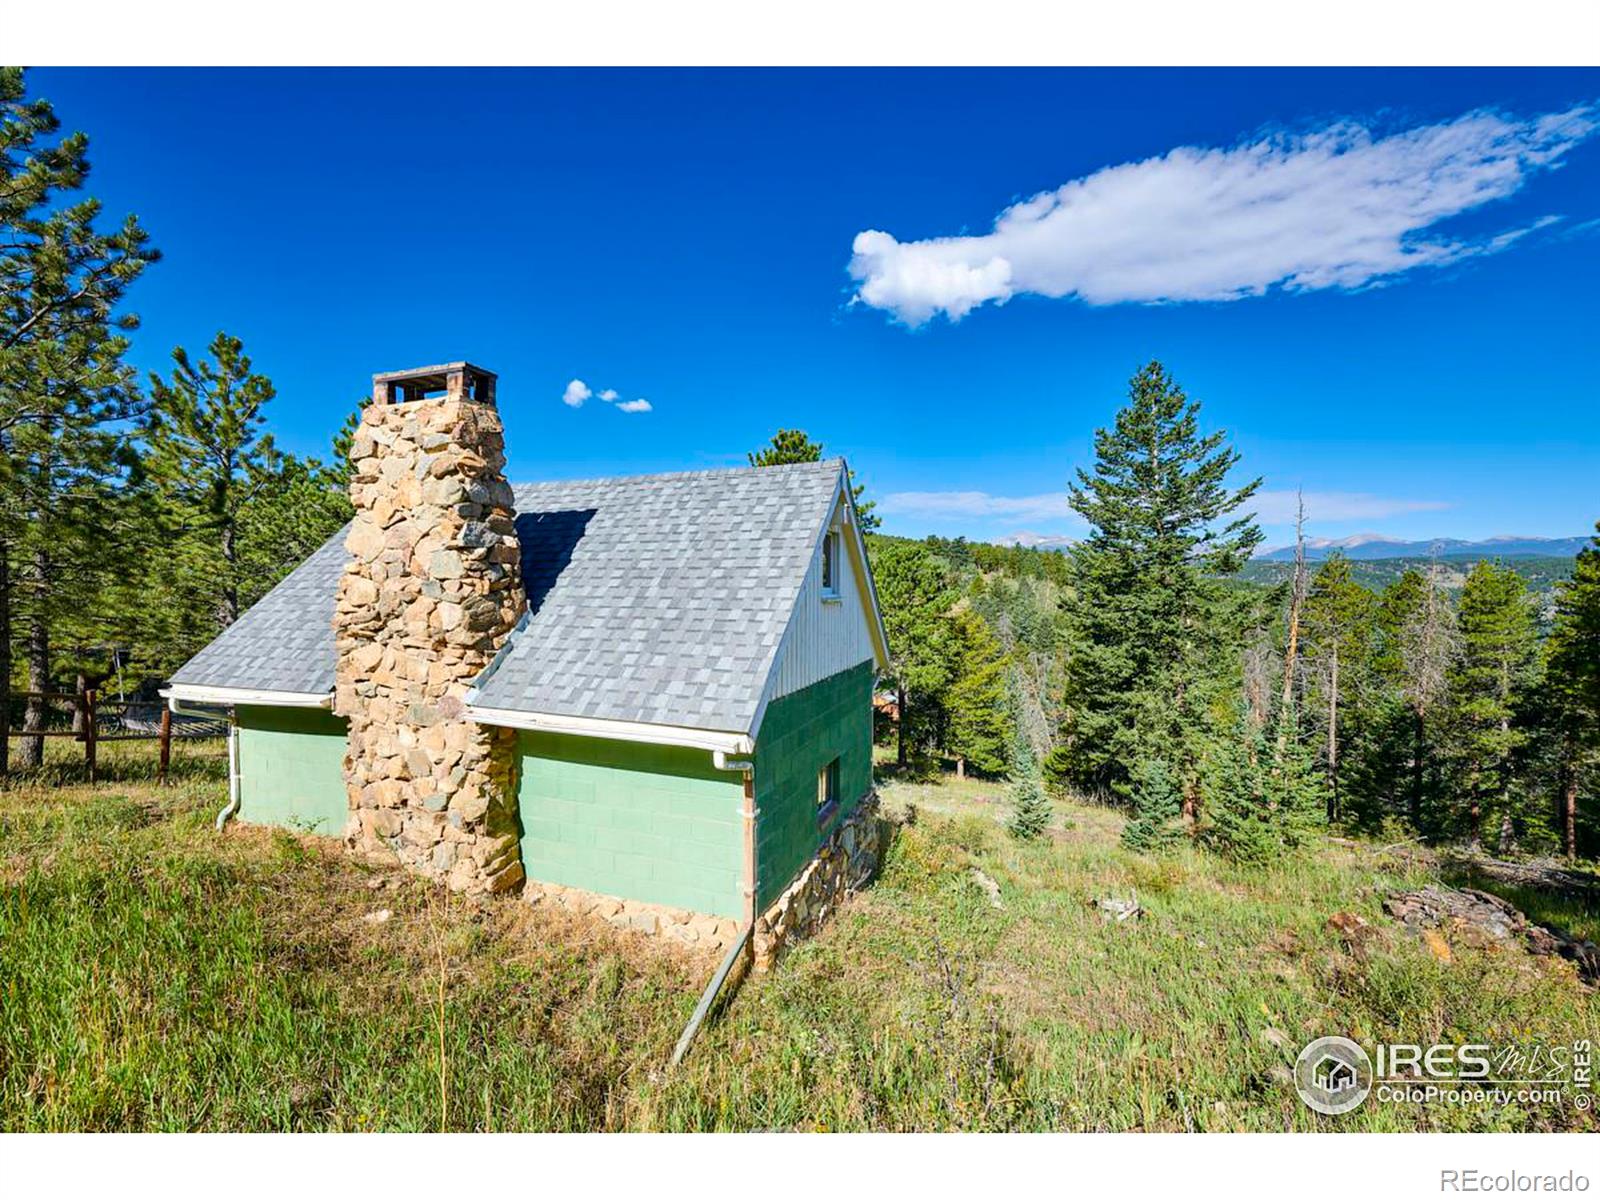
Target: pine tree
[
  {"x": 1154, "y": 619},
  {"x": 1574, "y": 684},
  {"x": 1418, "y": 643},
  {"x": 1340, "y": 618},
  {"x": 1030, "y": 807},
  {"x": 1158, "y": 810},
  {"x": 64, "y": 391},
  {"x": 793, "y": 446},
  {"x": 1498, "y": 656},
  {"x": 979, "y": 719},
  {"x": 1298, "y": 794},
  {"x": 1238, "y": 821},
  {"x": 210, "y": 455},
  {"x": 916, "y": 594}
]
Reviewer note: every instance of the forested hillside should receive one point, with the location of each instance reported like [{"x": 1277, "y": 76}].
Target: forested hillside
[
  {"x": 1540, "y": 572},
  {"x": 1247, "y": 704}
]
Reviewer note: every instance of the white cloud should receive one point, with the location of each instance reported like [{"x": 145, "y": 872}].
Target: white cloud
[
  {"x": 1050, "y": 506},
  {"x": 1270, "y": 507},
  {"x": 1338, "y": 207},
  {"x": 1278, "y": 507},
  {"x": 578, "y": 391}
]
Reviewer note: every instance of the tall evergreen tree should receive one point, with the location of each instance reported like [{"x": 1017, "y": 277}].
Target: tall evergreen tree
[
  {"x": 210, "y": 454},
  {"x": 1498, "y": 655},
  {"x": 793, "y": 446},
  {"x": 1340, "y": 620},
  {"x": 1419, "y": 643},
  {"x": 979, "y": 724},
  {"x": 916, "y": 594},
  {"x": 1574, "y": 684},
  {"x": 64, "y": 390},
  {"x": 1152, "y": 610}
]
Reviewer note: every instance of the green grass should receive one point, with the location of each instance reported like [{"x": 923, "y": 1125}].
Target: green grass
[{"x": 156, "y": 976}]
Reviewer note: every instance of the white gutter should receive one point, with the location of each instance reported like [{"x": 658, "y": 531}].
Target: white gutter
[
  {"x": 187, "y": 693},
  {"x": 622, "y": 731}
]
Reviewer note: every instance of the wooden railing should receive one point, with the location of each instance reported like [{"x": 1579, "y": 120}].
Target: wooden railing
[{"x": 93, "y": 721}]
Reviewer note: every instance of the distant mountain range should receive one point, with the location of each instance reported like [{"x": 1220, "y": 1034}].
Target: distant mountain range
[
  {"x": 1036, "y": 541},
  {"x": 1376, "y": 545}
]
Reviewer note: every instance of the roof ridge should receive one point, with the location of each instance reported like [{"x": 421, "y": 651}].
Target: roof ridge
[{"x": 833, "y": 463}]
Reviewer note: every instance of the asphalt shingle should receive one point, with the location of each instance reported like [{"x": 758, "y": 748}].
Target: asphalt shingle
[{"x": 653, "y": 598}]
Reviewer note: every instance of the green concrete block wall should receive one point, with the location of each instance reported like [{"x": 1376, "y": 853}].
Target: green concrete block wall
[
  {"x": 652, "y": 823},
  {"x": 800, "y": 734},
  {"x": 291, "y": 769}
]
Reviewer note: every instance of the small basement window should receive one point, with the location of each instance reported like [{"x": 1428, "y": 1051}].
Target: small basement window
[
  {"x": 828, "y": 788},
  {"x": 830, "y": 565}
]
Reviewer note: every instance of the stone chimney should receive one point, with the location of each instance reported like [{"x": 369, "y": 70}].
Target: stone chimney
[{"x": 431, "y": 592}]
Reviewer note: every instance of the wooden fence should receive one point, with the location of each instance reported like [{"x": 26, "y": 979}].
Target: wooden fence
[{"x": 94, "y": 720}]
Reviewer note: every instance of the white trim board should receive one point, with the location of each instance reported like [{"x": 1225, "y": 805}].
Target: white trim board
[
  {"x": 188, "y": 693},
  {"x": 621, "y": 731}
]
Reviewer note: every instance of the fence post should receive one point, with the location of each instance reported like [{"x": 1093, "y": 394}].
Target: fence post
[
  {"x": 88, "y": 732},
  {"x": 166, "y": 740}
]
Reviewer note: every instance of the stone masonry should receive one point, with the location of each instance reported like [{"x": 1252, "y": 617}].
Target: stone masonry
[
  {"x": 432, "y": 590},
  {"x": 846, "y": 862}
]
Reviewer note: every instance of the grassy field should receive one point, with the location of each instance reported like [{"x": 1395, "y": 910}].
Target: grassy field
[{"x": 154, "y": 975}]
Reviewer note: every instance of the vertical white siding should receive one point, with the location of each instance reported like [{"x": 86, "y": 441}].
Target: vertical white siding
[{"x": 826, "y": 636}]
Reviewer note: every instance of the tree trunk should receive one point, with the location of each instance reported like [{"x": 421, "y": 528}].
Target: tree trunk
[
  {"x": 80, "y": 714},
  {"x": 1419, "y": 732},
  {"x": 1333, "y": 734},
  {"x": 36, "y": 715},
  {"x": 5, "y": 657},
  {"x": 1569, "y": 812},
  {"x": 1291, "y": 649},
  {"x": 228, "y": 603},
  {"x": 900, "y": 724}
]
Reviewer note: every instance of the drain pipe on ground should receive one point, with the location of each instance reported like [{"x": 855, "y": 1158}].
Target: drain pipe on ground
[{"x": 743, "y": 945}]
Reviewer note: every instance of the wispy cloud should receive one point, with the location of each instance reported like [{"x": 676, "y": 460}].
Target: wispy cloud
[
  {"x": 1270, "y": 507},
  {"x": 1049, "y": 506},
  {"x": 1278, "y": 507},
  {"x": 1338, "y": 207},
  {"x": 577, "y": 391}
]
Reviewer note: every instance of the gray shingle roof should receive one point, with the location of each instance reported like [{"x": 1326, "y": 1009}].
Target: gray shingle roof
[
  {"x": 284, "y": 641},
  {"x": 653, "y": 598}
]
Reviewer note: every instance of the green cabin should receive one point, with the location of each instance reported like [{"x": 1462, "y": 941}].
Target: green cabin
[{"x": 690, "y": 685}]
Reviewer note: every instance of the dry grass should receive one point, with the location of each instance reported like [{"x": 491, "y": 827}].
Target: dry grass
[{"x": 156, "y": 976}]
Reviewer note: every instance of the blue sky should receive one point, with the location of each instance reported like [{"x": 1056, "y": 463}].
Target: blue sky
[{"x": 1357, "y": 272}]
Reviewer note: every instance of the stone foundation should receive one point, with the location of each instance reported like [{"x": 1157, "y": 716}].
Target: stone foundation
[
  {"x": 697, "y": 931},
  {"x": 432, "y": 591},
  {"x": 847, "y": 860}
]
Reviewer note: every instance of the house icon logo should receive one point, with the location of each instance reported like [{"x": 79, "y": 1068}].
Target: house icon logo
[{"x": 1333, "y": 1075}]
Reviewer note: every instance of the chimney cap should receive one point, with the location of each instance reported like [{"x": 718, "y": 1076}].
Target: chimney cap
[{"x": 457, "y": 380}]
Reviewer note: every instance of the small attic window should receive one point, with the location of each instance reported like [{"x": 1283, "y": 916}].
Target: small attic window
[{"x": 830, "y": 565}]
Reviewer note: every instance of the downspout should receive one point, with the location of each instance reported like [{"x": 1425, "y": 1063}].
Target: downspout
[
  {"x": 233, "y": 771},
  {"x": 745, "y": 943},
  {"x": 232, "y": 806}
]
